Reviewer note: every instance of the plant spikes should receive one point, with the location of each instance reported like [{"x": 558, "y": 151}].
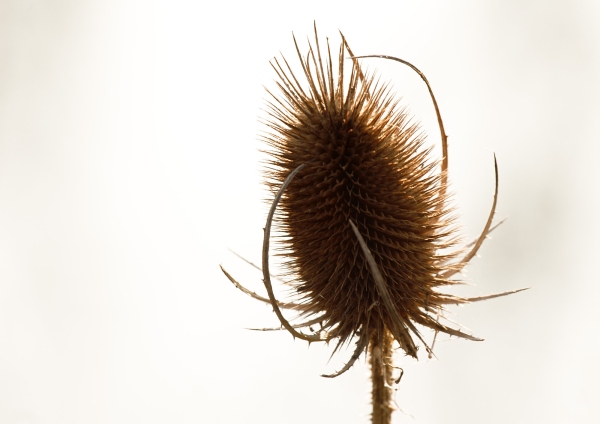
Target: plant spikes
[{"x": 368, "y": 235}]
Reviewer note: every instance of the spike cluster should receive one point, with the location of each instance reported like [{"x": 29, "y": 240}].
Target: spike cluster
[{"x": 362, "y": 209}]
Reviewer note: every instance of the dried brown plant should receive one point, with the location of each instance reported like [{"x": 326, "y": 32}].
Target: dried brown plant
[{"x": 368, "y": 235}]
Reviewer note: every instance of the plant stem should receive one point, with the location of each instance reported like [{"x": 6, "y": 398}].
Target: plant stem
[{"x": 380, "y": 359}]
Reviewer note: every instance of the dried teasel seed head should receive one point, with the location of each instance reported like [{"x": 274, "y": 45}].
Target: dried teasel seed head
[
  {"x": 365, "y": 167},
  {"x": 361, "y": 207}
]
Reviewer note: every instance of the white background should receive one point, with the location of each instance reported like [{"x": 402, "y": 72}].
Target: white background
[{"x": 129, "y": 164}]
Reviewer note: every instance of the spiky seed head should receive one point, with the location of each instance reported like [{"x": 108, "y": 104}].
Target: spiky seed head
[{"x": 365, "y": 162}]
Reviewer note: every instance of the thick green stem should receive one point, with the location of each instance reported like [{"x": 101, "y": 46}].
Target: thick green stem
[{"x": 380, "y": 359}]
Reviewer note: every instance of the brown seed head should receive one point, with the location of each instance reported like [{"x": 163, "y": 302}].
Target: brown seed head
[
  {"x": 365, "y": 163},
  {"x": 363, "y": 211}
]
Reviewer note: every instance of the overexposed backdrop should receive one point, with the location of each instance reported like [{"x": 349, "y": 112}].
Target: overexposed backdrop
[{"x": 129, "y": 164}]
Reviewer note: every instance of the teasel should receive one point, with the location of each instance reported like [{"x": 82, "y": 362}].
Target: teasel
[{"x": 367, "y": 233}]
